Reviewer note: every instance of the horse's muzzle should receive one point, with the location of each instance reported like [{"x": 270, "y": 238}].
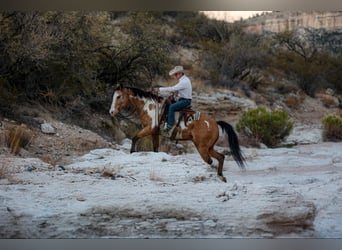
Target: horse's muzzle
[{"x": 113, "y": 112}]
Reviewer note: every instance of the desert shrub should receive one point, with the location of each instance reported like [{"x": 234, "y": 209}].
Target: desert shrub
[
  {"x": 266, "y": 127},
  {"x": 332, "y": 128},
  {"x": 18, "y": 137},
  {"x": 328, "y": 100},
  {"x": 294, "y": 101}
]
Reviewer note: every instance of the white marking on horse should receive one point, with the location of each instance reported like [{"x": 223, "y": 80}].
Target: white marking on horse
[
  {"x": 151, "y": 112},
  {"x": 112, "y": 110},
  {"x": 206, "y": 122}
]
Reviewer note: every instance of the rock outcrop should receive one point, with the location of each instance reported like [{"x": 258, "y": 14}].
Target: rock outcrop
[{"x": 290, "y": 20}]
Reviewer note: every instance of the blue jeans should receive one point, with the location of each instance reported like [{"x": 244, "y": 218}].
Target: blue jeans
[{"x": 176, "y": 107}]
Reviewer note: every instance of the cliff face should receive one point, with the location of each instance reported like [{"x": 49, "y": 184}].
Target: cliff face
[{"x": 289, "y": 20}]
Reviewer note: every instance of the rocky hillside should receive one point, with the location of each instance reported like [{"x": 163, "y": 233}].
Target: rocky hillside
[
  {"x": 227, "y": 66},
  {"x": 290, "y": 20}
]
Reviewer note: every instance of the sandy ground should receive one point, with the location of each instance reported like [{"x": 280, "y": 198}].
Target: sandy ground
[{"x": 110, "y": 193}]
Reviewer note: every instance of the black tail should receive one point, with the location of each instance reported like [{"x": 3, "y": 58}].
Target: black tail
[{"x": 233, "y": 143}]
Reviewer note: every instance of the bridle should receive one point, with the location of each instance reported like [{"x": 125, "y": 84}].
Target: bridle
[{"x": 128, "y": 116}]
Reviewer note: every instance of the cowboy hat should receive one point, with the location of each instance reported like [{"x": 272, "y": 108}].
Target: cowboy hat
[{"x": 175, "y": 70}]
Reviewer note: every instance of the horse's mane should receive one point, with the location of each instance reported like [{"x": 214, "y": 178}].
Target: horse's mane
[{"x": 147, "y": 94}]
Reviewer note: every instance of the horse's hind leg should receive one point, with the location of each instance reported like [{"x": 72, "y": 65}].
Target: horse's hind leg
[
  {"x": 204, "y": 153},
  {"x": 206, "y": 156},
  {"x": 220, "y": 158}
]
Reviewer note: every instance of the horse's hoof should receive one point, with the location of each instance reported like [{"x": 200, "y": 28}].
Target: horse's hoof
[{"x": 222, "y": 178}]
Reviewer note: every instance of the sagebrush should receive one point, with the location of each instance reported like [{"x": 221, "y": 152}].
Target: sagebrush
[
  {"x": 265, "y": 127},
  {"x": 332, "y": 128}
]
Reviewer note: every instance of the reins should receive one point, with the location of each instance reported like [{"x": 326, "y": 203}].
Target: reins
[{"x": 159, "y": 113}]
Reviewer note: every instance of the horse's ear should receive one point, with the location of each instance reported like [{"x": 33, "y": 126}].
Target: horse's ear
[{"x": 119, "y": 86}]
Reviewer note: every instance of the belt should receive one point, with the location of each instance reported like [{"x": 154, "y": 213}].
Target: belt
[{"x": 181, "y": 99}]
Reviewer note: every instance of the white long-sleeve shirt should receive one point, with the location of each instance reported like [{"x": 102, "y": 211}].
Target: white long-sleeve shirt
[{"x": 183, "y": 87}]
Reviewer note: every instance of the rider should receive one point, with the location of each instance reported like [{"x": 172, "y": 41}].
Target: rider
[{"x": 184, "y": 89}]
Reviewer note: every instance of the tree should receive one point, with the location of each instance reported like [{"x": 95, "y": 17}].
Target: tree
[
  {"x": 309, "y": 57},
  {"x": 137, "y": 53},
  {"x": 298, "y": 43},
  {"x": 233, "y": 60},
  {"x": 49, "y": 55}
]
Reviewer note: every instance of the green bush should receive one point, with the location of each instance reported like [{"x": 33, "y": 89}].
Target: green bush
[
  {"x": 332, "y": 128},
  {"x": 269, "y": 128}
]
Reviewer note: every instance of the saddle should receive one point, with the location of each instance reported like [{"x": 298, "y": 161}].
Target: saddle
[{"x": 187, "y": 114}]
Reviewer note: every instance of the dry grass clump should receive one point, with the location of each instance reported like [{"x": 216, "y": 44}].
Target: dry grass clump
[
  {"x": 294, "y": 101},
  {"x": 328, "y": 100},
  {"x": 18, "y": 137}
]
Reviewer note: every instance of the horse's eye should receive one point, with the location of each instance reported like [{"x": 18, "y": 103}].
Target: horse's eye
[{"x": 119, "y": 96}]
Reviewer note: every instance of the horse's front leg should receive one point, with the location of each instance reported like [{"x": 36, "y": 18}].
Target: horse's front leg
[
  {"x": 142, "y": 133},
  {"x": 155, "y": 139},
  {"x": 134, "y": 141}
]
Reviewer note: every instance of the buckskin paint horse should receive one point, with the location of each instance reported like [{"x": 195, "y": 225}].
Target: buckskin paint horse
[{"x": 203, "y": 131}]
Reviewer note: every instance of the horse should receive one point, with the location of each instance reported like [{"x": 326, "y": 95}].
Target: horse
[{"x": 203, "y": 131}]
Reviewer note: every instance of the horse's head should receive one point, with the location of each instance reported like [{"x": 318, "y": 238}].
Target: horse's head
[{"x": 120, "y": 100}]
